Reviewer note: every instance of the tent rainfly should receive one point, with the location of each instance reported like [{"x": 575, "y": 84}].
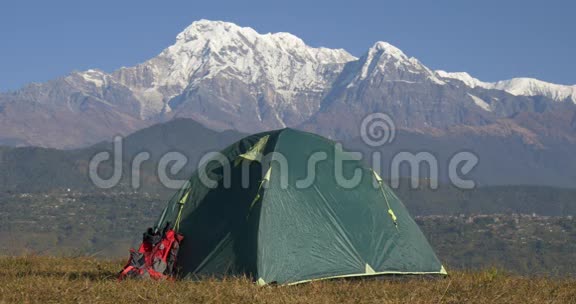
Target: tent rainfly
[{"x": 278, "y": 207}]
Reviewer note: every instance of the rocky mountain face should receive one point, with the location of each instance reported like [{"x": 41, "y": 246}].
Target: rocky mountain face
[
  {"x": 73, "y": 111},
  {"x": 220, "y": 74},
  {"x": 226, "y": 76},
  {"x": 421, "y": 100},
  {"x": 230, "y": 77}
]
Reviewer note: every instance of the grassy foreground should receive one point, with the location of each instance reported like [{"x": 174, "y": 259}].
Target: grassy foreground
[{"x": 86, "y": 280}]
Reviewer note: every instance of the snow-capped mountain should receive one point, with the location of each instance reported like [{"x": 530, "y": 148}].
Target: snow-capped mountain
[
  {"x": 278, "y": 68},
  {"x": 230, "y": 77},
  {"x": 517, "y": 86},
  {"x": 419, "y": 99},
  {"x": 389, "y": 61}
]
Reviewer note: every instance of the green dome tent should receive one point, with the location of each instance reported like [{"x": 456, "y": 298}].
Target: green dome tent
[{"x": 272, "y": 207}]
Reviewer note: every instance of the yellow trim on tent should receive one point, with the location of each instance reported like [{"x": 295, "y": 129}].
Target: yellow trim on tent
[
  {"x": 182, "y": 201},
  {"x": 393, "y": 216},
  {"x": 255, "y": 152},
  {"x": 442, "y": 272},
  {"x": 185, "y": 198},
  {"x": 264, "y": 180},
  {"x": 268, "y": 174},
  {"x": 381, "y": 186},
  {"x": 254, "y": 201},
  {"x": 369, "y": 269},
  {"x": 378, "y": 178}
]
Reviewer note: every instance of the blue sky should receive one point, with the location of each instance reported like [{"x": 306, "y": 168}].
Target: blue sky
[{"x": 493, "y": 40}]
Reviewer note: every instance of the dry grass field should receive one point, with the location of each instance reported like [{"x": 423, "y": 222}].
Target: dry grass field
[{"x": 35, "y": 279}]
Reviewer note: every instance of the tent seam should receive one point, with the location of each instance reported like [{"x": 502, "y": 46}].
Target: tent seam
[{"x": 264, "y": 190}]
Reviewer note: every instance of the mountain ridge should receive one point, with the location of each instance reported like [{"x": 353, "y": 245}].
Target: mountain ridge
[
  {"x": 230, "y": 77},
  {"x": 523, "y": 86}
]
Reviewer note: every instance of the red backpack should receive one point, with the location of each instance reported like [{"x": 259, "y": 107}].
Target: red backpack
[{"x": 156, "y": 257}]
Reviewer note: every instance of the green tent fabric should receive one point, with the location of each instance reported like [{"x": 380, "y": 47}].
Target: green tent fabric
[{"x": 264, "y": 217}]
